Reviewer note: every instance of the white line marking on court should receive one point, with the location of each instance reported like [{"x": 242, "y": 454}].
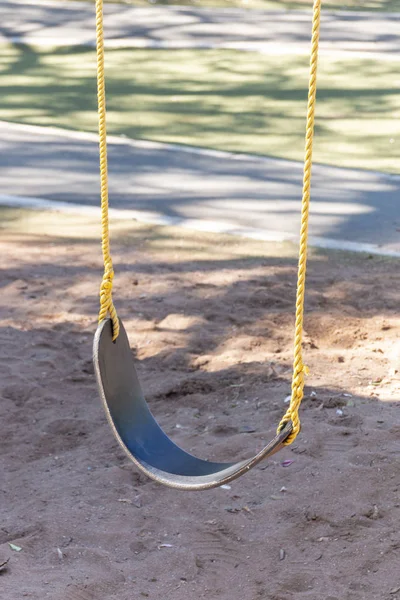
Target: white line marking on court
[
  {"x": 269, "y": 49},
  {"x": 362, "y": 14},
  {"x": 87, "y": 136},
  {"x": 225, "y": 227},
  {"x": 121, "y": 140}
]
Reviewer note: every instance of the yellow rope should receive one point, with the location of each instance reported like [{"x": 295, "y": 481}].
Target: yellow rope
[
  {"x": 299, "y": 369},
  {"x": 106, "y": 302}
]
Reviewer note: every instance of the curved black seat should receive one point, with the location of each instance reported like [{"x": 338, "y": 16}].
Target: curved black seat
[{"x": 138, "y": 432}]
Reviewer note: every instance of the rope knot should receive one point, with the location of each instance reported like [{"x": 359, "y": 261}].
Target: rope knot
[
  {"x": 107, "y": 281},
  {"x": 106, "y": 292},
  {"x": 292, "y": 413},
  {"x": 106, "y": 302}
]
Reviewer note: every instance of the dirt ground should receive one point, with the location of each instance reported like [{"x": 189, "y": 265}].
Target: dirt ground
[{"x": 211, "y": 322}]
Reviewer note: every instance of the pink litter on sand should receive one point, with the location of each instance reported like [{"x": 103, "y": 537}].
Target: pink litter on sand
[{"x": 287, "y": 463}]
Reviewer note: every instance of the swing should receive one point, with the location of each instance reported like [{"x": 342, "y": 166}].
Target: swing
[{"x": 130, "y": 418}]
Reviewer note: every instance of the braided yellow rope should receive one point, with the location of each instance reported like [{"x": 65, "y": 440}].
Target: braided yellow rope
[
  {"x": 106, "y": 302},
  {"x": 299, "y": 369}
]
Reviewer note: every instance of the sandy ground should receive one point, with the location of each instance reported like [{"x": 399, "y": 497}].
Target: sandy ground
[{"x": 211, "y": 322}]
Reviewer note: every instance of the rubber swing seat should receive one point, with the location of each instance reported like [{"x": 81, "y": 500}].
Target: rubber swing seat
[{"x": 139, "y": 434}]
